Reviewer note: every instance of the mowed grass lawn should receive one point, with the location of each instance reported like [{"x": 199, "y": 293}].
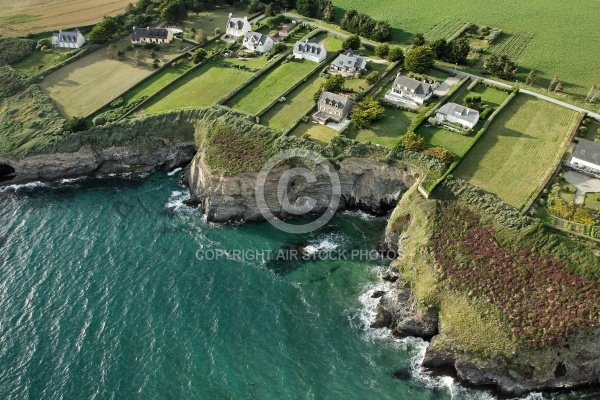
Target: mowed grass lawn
[
  {"x": 199, "y": 89},
  {"x": 490, "y": 95},
  {"x": 271, "y": 86},
  {"x": 40, "y": 60},
  {"x": 386, "y": 132},
  {"x": 283, "y": 115},
  {"x": 316, "y": 132},
  {"x": 522, "y": 146},
  {"x": 573, "y": 63},
  {"x": 452, "y": 141},
  {"x": 208, "y": 21},
  {"x": 83, "y": 86}
]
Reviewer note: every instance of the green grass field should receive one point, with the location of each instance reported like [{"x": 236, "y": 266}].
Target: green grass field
[
  {"x": 40, "y": 60},
  {"x": 200, "y": 89},
  {"x": 318, "y": 133},
  {"x": 521, "y": 147},
  {"x": 490, "y": 95},
  {"x": 572, "y": 64},
  {"x": 271, "y": 86},
  {"x": 360, "y": 84},
  {"x": 386, "y": 132},
  {"x": 452, "y": 141},
  {"x": 283, "y": 115},
  {"x": 209, "y": 20}
]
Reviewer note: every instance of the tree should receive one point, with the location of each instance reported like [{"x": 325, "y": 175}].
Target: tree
[
  {"x": 531, "y": 78},
  {"x": 150, "y": 9},
  {"x": 441, "y": 154},
  {"x": 500, "y": 66},
  {"x": 382, "y": 50},
  {"x": 199, "y": 56},
  {"x": 156, "y": 63},
  {"x": 593, "y": 93},
  {"x": 419, "y": 59},
  {"x": 335, "y": 83},
  {"x": 366, "y": 112},
  {"x": 396, "y": 54},
  {"x": 112, "y": 51},
  {"x": 381, "y": 31},
  {"x": 173, "y": 10},
  {"x": 306, "y": 7},
  {"x": 372, "y": 77},
  {"x": 328, "y": 12},
  {"x": 217, "y": 31},
  {"x": 75, "y": 124},
  {"x": 418, "y": 39},
  {"x": 413, "y": 142},
  {"x": 440, "y": 48},
  {"x": 552, "y": 82},
  {"x": 142, "y": 5},
  {"x": 130, "y": 9},
  {"x": 351, "y": 42},
  {"x": 200, "y": 37},
  {"x": 458, "y": 50},
  {"x": 104, "y": 30},
  {"x": 139, "y": 57},
  {"x": 255, "y": 6},
  {"x": 269, "y": 11}
]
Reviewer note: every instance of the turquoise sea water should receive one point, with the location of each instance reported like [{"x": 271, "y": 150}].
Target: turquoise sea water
[{"x": 103, "y": 296}]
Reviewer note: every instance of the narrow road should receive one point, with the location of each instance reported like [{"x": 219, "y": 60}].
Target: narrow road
[{"x": 529, "y": 92}]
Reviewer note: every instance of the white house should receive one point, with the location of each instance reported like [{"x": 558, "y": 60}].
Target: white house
[
  {"x": 409, "y": 91},
  {"x": 255, "y": 41},
  {"x": 456, "y": 113},
  {"x": 310, "y": 51},
  {"x": 237, "y": 27},
  {"x": 586, "y": 157},
  {"x": 68, "y": 39},
  {"x": 348, "y": 64},
  {"x": 151, "y": 35}
]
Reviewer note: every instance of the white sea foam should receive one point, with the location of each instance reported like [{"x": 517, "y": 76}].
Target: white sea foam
[
  {"x": 176, "y": 170},
  {"x": 176, "y": 201},
  {"x": 30, "y": 185},
  {"x": 361, "y": 214}
]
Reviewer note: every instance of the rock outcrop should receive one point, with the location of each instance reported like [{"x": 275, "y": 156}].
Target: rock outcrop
[
  {"x": 366, "y": 184},
  {"x": 87, "y": 162}
]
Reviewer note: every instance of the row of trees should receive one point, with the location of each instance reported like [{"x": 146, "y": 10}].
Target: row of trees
[
  {"x": 322, "y": 9},
  {"x": 364, "y": 25}
]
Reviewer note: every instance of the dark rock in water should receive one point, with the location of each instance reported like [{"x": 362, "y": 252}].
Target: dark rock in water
[
  {"x": 392, "y": 307},
  {"x": 436, "y": 359},
  {"x": 377, "y": 294},
  {"x": 193, "y": 202},
  {"x": 390, "y": 276},
  {"x": 402, "y": 374}
]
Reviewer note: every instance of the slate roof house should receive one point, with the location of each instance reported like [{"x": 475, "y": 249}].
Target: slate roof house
[
  {"x": 332, "y": 106},
  {"x": 456, "y": 113},
  {"x": 409, "y": 91},
  {"x": 237, "y": 27},
  {"x": 68, "y": 39},
  {"x": 255, "y": 41},
  {"x": 310, "y": 51},
  {"x": 348, "y": 64},
  {"x": 151, "y": 35},
  {"x": 586, "y": 157}
]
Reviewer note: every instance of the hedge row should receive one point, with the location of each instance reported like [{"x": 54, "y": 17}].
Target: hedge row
[
  {"x": 459, "y": 32},
  {"x": 473, "y": 84}
]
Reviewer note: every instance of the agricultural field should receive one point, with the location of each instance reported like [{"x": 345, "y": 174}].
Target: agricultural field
[
  {"x": 511, "y": 44},
  {"x": 283, "y": 115},
  {"x": 22, "y": 17},
  {"x": 572, "y": 64},
  {"x": 271, "y": 86},
  {"x": 444, "y": 29},
  {"x": 386, "y": 132},
  {"x": 87, "y": 84},
  {"x": 519, "y": 150},
  {"x": 202, "y": 88},
  {"x": 316, "y": 132},
  {"x": 452, "y": 141}
]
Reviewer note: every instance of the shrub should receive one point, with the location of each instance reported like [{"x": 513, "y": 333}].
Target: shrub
[
  {"x": 366, "y": 112},
  {"x": 199, "y": 56},
  {"x": 99, "y": 121},
  {"x": 395, "y": 53},
  {"x": 75, "y": 124},
  {"x": 382, "y": 50},
  {"x": 441, "y": 154},
  {"x": 486, "y": 112},
  {"x": 116, "y": 102},
  {"x": 11, "y": 81},
  {"x": 351, "y": 42},
  {"x": 13, "y": 50},
  {"x": 419, "y": 59},
  {"x": 104, "y": 30},
  {"x": 413, "y": 142},
  {"x": 372, "y": 77}
]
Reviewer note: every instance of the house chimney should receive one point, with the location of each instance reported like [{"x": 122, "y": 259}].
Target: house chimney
[{"x": 230, "y": 15}]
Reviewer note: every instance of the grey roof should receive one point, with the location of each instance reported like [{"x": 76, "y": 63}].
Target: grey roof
[
  {"x": 309, "y": 47},
  {"x": 462, "y": 112},
  {"x": 256, "y": 37},
  {"x": 587, "y": 150},
  {"x": 419, "y": 88},
  {"x": 348, "y": 59},
  {"x": 334, "y": 100},
  {"x": 66, "y": 36},
  {"x": 149, "y": 33},
  {"x": 236, "y": 23}
]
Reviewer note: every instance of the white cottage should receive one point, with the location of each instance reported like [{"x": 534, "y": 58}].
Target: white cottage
[
  {"x": 409, "y": 91},
  {"x": 310, "y": 51},
  {"x": 586, "y": 157},
  {"x": 455, "y": 113},
  {"x": 255, "y": 41},
  {"x": 237, "y": 27},
  {"x": 68, "y": 39}
]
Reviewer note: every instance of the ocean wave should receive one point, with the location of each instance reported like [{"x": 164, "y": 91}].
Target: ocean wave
[
  {"x": 177, "y": 199},
  {"x": 176, "y": 170},
  {"x": 30, "y": 185},
  {"x": 360, "y": 214}
]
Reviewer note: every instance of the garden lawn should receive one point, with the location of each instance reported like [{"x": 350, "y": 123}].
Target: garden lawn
[
  {"x": 271, "y": 85},
  {"x": 80, "y": 88},
  {"x": 283, "y": 115},
  {"x": 386, "y": 132},
  {"x": 452, "y": 141},
  {"x": 573, "y": 63},
  {"x": 199, "y": 89},
  {"x": 40, "y": 60},
  {"x": 523, "y": 145},
  {"x": 209, "y": 20},
  {"x": 253, "y": 63},
  {"x": 593, "y": 131},
  {"x": 360, "y": 84},
  {"x": 316, "y": 132},
  {"x": 490, "y": 95}
]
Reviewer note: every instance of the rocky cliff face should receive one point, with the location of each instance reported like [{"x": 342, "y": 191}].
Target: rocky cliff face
[
  {"x": 366, "y": 184},
  {"x": 115, "y": 160}
]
